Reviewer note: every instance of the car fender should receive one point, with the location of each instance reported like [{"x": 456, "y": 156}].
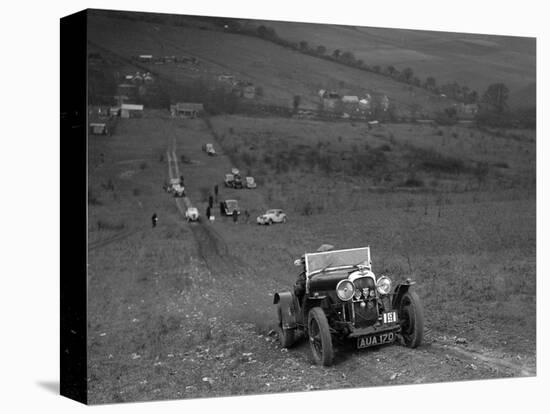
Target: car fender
[
  {"x": 289, "y": 306},
  {"x": 400, "y": 290}
]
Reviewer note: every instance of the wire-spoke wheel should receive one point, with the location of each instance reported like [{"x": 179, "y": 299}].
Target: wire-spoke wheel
[
  {"x": 411, "y": 317},
  {"x": 320, "y": 340}
]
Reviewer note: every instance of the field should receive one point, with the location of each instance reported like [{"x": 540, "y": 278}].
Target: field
[
  {"x": 475, "y": 60},
  {"x": 280, "y": 72},
  {"x": 184, "y": 310}
]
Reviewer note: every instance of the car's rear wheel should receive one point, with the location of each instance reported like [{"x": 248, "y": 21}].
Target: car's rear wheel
[
  {"x": 320, "y": 339},
  {"x": 287, "y": 337},
  {"x": 411, "y": 317}
]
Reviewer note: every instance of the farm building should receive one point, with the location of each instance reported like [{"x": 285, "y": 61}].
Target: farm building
[
  {"x": 145, "y": 58},
  {"x": 114, "y": 111},
  {"x": 350, "y": 99},
  {"x": 330, "y": 100},
  {"x": 131, "y": 110},
  {"x": 127, "y": 89},
  {"x": 227, "y": 78},
  {"x": 186, "y": 109},
  {"x": 98, "y": 128}
]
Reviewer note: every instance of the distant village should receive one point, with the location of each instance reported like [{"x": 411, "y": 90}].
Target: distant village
[{"x": 132, "y": 86}]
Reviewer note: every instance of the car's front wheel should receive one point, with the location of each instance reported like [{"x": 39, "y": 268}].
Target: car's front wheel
[
  {"x": 320, "y": 339},
  {"x": 286, "y": 336},
  {"x": 411, "y": 317}
]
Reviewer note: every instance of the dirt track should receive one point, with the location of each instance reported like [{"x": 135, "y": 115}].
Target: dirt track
[{"x": 440, "y": 358}]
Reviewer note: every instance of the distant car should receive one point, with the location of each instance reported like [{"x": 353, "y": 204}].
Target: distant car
[
  {"x": 179, "y": 190},
  {"x": 227, "y": 207},
  {"x": 237, "y": 181},
  {"x": 235, "y": 171},
  {"x": 209, "y": 149},
  {"x": 272, "y": 216},
  {"x": 229, "y": 180},
  {"x": 250, "y": 183},
  {"x": 192, "y": 214}
]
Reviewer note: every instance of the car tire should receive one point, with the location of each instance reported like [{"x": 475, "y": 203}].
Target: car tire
[
  {"x": 411, "y": 317},
  {"x": 320, "y": 340},
  {"x": 287, "y": 337}
]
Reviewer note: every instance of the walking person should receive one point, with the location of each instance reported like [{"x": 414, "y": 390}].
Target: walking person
[
  {"x": 181, "y": 180},
  {"x": 154, "y": 219},
  {"x": 246, "y": 216},
  {"x": 216, "y": 192},
  {"x": 208, "y": 213},
  {"x": 210, "y": 201},
  {"x": 235, "y": 216}
]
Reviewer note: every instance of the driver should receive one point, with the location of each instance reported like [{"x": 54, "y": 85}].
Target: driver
[{"x": 300, "y": 285}]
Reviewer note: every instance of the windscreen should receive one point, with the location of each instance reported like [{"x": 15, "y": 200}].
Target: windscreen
[{"x": 317, "y": 261}]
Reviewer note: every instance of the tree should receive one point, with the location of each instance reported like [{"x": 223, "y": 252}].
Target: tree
[
  {"x": 348, "y": 57},
  {"x": 336, "y": 53},
  {"x": 376, "y": 68},
  {"x": 496, "y": 96},
  {"x": 296, "y": 102},
  {"x": 303, "y": 45},
  {"x": 407, "y": 75},
  {"x": 430, "y": 83},
  {"x": 321, "y": 50},
  {"x": 391, "y": 70}
]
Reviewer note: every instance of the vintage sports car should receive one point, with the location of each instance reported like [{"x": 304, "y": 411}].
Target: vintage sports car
[
  {"x": 227, "y": 207},
  {"x": 228, "y": 180},
  {"x": 250, "y": 183},
  {"x": 338, "y": 297},
  {"x": 192, "y": 214},
  {"x": 272, "y": 216},
  {"x": 178, "y": 190}
]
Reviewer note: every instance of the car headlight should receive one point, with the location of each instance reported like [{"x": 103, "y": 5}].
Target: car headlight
[
  {"x": 383, "y": 284},
  {"x": 345, "y": 290}
]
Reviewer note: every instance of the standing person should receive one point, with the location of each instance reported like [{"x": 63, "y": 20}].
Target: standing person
[
  {"x": 216, "y": 192},
  {"x": 246, "y": 216},
  {"x": 181, "y": 180},
  {"x": 208, "y": 213},
  {"x": 154, "y": 219},
  {"x": 210, "y": 201},
  {"x": 235, "y": 216}
]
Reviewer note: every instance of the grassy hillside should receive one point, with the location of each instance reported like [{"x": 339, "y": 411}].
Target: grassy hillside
[
  {"x": 281, "y": 73},
  {"x": 475, "y": 60}
]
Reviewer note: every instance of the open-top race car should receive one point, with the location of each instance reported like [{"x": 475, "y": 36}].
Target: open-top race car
[
  {"x": 228, "y": 180},
  {"x": 337, "y": 296}
]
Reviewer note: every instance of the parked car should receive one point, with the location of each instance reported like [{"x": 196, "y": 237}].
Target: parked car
[
  {"x": 192, "y": 214},
  {"x": 250, "y": 183},
  {"x": 235, "y": 171},
  {"x": 237, "y": 181},
  {"x": 229, "y": 180},
  {"x": 228, "y": 206},
  {"x": 209, "y": 149},
  {"x": 272, "y": 216},
  {"x": 337, "y": 296}
]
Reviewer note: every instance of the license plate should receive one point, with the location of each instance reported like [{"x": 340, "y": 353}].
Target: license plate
[
  {"x": 389, "y": 317},
  {"x": 373, "y": 340}
]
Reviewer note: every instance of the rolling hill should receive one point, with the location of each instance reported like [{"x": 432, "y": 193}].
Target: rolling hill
[
  {"x": 475, "y": 60},
  {"x": 282, "y": 73}
]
